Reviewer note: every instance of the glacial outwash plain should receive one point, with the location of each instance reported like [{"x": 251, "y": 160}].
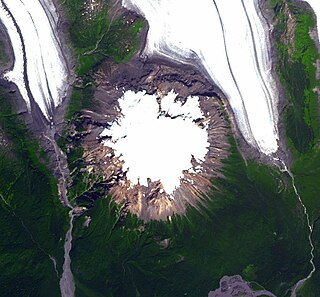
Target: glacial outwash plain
[{"x": 159, "y": 148}]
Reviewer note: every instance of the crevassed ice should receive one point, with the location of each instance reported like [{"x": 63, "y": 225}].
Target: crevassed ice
[
  {"x": 155, "y": 146},
  {"x": 16, "y": 74},
  {"x": 46, "y": 69},
  {"x": 230, "y": 40}
]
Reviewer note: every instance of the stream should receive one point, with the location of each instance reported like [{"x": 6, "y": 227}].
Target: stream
[
  {"x": 301, "y": 282},
  {"x": 67, "y": 286},
  {"x": 40, "y": 73}
]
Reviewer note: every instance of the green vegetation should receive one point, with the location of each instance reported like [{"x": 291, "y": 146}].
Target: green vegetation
[
  {"x": 249, "y": 272},
  {"x": 250, "y": 225},
  {"x": 80, "y": 178},
  {"x": 95, "y": 36},
  {"x": 253, "y": 226},
  {"x": 81, "y": 98},
  {"x": 31, "y": 216},
  {"x": 311, "y": 288},
  {"x": 297, "y": 71},
  {"x": 99, "y": 34},
  {"x": 307, "y": 173},
  {"x": 298, "y": 75}
]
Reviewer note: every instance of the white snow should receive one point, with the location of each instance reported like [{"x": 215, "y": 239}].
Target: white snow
[
  {"x": 190, "y": 109},
  {"x": 46, "y": 70},
  {"x": 16, "y": 74},
  {"x": 155, "y": 146},
  {"x": 236, "y": 59}
]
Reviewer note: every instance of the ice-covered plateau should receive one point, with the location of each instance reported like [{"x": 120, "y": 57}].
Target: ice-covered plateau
[
  {"x": 157, "y": 148},
  {"x": 157, "y": 142},
  {"x": 229, "y": 40},
  {"x": 166, "y": 150},
  {"x": 39, "y": 69}
]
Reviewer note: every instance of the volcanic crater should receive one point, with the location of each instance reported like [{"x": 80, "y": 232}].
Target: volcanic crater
[{"x": 151, "y": 200}]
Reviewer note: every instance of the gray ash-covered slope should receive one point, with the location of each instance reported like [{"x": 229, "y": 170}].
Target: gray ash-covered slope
[{"x": 235, "y": 286}]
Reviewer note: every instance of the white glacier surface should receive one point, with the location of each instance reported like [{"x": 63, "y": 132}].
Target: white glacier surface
[
  {"x": 45, "y": 67},
  {"x": 230, "y": 40},
  {"x": 153, "y": 145},
  {"x": 16, "y": 75}
]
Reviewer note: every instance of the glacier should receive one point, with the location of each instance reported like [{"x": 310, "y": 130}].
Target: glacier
[
  {"x": 229, "y": 40},
  {"x": 39, "y": 69},
  {"x": 157, "y": 144},
  {"x": 16, "y": 75}
]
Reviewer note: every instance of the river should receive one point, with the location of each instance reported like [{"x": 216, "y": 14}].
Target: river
[
  {"x": 40, "y": 73},
  {"x": 67, "y": 286},
  {"x": 301, "y": 282}
]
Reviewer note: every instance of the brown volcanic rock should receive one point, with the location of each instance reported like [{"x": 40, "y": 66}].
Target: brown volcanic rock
[{"x": 152, "y": 202}]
